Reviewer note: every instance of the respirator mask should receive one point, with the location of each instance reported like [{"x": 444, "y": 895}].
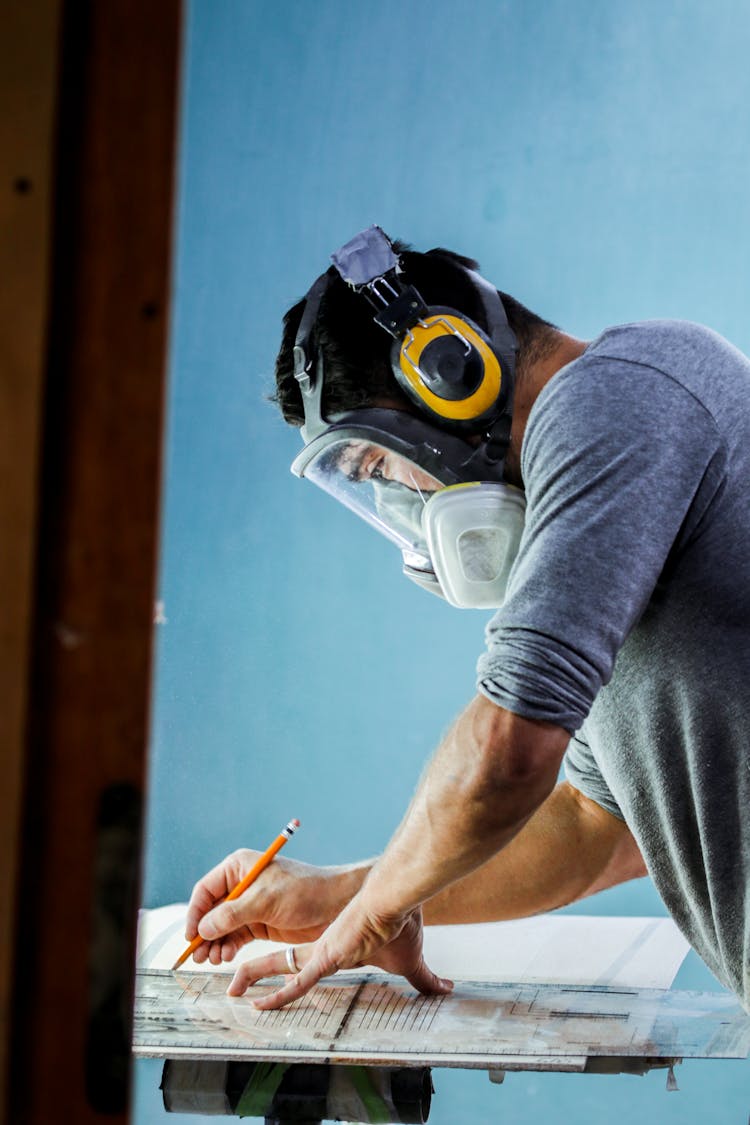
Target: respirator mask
[{"x": 432, "y": 482}]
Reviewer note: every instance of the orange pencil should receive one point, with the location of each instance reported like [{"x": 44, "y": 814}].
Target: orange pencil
[{"x": 260, "y": 865}]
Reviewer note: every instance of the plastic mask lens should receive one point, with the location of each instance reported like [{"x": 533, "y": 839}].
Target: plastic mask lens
[{"x": 383, "y": 487}]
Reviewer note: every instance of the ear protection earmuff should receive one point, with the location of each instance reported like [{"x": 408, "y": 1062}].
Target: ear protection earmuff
[{"x": 448, "y": 366}]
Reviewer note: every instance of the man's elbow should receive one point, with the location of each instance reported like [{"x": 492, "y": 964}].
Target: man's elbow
[{"x": 514, "y": 752}]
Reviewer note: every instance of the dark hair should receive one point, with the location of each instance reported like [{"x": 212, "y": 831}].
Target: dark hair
[{"x": 356, "y": 350}]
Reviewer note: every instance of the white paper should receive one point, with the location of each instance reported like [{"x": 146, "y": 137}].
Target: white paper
[{"x": 550, "y": 948}]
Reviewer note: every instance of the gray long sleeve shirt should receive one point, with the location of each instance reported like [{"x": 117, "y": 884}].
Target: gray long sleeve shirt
[{"x": 627, "y": 619}]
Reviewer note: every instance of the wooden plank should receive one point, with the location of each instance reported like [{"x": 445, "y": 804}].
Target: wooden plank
[{"x": 97, "y": 540}]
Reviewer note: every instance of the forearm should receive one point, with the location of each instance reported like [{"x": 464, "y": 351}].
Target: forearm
[
  {"x": 343, "y": 882},
  {"x": 570, "y": 848},
  {"x": 488, "y": 776}
]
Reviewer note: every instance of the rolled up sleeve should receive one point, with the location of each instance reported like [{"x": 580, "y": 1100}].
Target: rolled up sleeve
[
  {"x": 614, "y": 456},
  {"x": 584, "y": 775}
]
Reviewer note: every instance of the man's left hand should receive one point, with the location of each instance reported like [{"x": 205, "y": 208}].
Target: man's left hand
[{"x": 357, "y": 937}]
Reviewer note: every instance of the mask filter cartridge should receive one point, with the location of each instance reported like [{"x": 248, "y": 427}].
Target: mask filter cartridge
[{"x": 473, "y": 533}]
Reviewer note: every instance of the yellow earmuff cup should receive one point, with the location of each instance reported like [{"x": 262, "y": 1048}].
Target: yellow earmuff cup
[{"x": 458, "y": 410}]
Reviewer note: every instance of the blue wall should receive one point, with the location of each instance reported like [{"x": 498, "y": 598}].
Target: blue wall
[{"x": 595, "y": 157}]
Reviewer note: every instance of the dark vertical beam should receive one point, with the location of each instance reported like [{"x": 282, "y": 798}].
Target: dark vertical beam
[
  {"x": 28, "y": 82},
  {"x": 96, "y": 562}
]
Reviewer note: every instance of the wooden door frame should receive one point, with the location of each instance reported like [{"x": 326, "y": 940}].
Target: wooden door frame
[{"x": 87, "y": 141}]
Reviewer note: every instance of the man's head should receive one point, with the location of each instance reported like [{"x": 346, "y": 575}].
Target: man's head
[
  {"x": 408, "y": 373},
  {"x": 356, "y": 351}
]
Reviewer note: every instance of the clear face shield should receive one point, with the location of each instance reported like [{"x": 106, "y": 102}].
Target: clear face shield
[
  {"x": 458, "y": 540},
  {"x": 384, "y": 488}
]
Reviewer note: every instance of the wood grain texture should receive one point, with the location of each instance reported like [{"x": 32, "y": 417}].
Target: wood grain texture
[
  {"x": 97, "y": 542},
  {"x": 28, "y": 80}
]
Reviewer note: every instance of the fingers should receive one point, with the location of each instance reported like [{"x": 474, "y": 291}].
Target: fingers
[
  {"x": 207, "y": 892},
  {"x": 299, "y": 984},
  {"x": 275, "y": 964},
  {"x": 313, "y": 964},
  {"x": 201, "y": 900},
  {"x": 218, "y": 952},
  {"x": 427, "y": 982},
  {"x": 222, "y": 920}
]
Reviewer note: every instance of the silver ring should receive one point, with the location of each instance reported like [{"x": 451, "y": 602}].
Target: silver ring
[{"x": 291, "y": 960}]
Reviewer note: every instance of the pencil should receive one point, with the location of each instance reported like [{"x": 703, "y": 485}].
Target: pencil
[{"x": 260, "y": 865}]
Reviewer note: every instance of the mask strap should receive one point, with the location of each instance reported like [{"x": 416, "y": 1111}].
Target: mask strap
[
  {"x": 498, "y": 328},
  {"x": 305, "y": 355}
]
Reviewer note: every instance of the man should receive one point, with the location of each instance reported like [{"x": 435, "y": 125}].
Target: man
[{"x": 621, "y": 642}]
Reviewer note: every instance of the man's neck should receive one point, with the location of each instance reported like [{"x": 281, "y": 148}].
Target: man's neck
[{"x": 532, "y": 377}]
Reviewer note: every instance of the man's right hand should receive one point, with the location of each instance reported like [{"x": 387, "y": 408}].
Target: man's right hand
[{"x": 290, "y": 902}]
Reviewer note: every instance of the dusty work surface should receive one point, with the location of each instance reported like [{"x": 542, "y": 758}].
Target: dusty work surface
[{"x": 381, "y": 1020}]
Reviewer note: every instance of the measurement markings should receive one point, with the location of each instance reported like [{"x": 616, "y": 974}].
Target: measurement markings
[
  {"x": 573, "y": 1015},
  {"x": 431, "y": 1013},
  {"x": 417, "y": 1012},
  {"x": 599, "y": 988},
  {"x": 192, "y": 989},
  {"x": 400, "y": 1013},
  {"x": 334, "y": 1001},
  {"x": 307, "y": 1014},
  {"x": 388, "y": 1005},
  {"x": 318, "y": 1014},
  {"x": 413, "y": 1012},
  {"x": 519, "y": 1000},
  {"x": 360, "y": 1017},
  {"x": 323, "y": 1013},
  {"x": 272, "y": 1018},
  {"x": 347, "y": 1014},
  {"x": 426, "y": 1015},
  {"x": 377, "y": 1007},
  {"x": 428, "y": 1012}
]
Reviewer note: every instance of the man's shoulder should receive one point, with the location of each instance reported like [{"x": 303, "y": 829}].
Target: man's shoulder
[
  {"x": 670, "y": 346},
  {"x": 659, "y": 380},
  {"x": 674, "y": 361}
]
